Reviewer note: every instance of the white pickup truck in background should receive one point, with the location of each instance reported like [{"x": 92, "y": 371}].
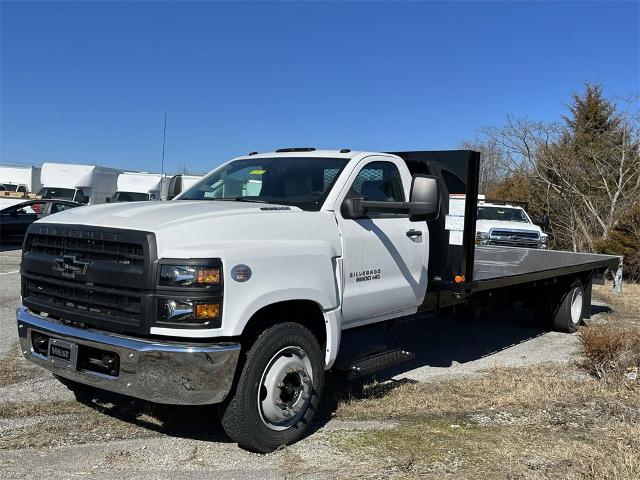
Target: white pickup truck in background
[
  {"x": 507, "y": 225},
  {"x": 270, "y": 270}
]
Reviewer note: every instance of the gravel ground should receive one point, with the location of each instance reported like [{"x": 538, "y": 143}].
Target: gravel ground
[{"x": 45, "y": 433}]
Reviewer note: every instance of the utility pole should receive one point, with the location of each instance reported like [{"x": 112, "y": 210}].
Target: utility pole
[{"x": 164, "y": 139}]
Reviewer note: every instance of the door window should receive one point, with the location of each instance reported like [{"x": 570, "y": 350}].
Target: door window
[
  {"x": 380, "y": 182},
  {"x": 31, "y": 209},
  {"x": 61, "y": 207}
]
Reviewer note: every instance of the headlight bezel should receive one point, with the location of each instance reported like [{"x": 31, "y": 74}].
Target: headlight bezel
[
  {"x": 199, "y": 263},
  {"x": 193, "y": 294},
  {"x": 190, "y": 321}
]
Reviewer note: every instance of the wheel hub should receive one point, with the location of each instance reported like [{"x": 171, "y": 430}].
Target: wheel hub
[
  {"x": 285, "y": 388},
  {"x": 576, "y": 306}
]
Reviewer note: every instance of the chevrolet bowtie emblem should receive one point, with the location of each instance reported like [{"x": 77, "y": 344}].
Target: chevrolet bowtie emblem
[{"x": 69, "y": 266}]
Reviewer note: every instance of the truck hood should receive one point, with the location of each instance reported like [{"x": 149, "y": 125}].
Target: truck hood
[
  {"x": 486, "y": 225},
  {"x": 154, "y": 216},
  {"x": 200, "y": 229}
]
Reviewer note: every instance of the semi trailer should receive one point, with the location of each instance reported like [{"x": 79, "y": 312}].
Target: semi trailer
[{"x": 274, "y": 268}]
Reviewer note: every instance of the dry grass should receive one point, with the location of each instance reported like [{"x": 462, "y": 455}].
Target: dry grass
[
  {"x": 625, "y": 307},
  {"x": 15, "y": 369},
  {"x": 50, "y": 424},
  {"x": 548, "y": 421},
  {"x": 537, "y": 422},
  {"x": 612, "y": 353}
]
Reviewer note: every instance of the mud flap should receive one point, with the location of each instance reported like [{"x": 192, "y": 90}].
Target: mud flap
[{"x": 617, "y": 280}]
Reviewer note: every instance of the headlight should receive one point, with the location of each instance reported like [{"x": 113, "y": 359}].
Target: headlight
[
  {"x": 482, "y": 238},
  {"x": 544, "y": 239},
  {"x": 189, "y": 276},
  {"x": 190, "y": 313}
]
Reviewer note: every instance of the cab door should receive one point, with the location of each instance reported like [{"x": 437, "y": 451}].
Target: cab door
[{"x": 384, "y": 255}]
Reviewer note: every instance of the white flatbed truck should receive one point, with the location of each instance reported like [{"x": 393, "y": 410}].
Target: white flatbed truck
[{"x": 273, "y": 269}]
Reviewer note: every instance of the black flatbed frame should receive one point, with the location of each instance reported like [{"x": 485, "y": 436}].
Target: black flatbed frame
[{"x": 497, "y": 267}]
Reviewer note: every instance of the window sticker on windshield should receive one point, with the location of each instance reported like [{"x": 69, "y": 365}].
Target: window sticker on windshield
[{"x": 256, "y": 172}]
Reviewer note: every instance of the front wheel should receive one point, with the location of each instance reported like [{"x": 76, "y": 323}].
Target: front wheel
[{"x": 278, "y": 390}]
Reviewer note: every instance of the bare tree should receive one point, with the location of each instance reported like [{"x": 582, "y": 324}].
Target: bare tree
[{"x": 584, "y": 171}]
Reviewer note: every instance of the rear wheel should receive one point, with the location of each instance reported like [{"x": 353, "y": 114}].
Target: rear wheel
[
  {"x": 569, "y": 314},
  {"x": 278, "y": 390}
]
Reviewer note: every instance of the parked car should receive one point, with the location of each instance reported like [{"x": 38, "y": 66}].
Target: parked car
[{"x": 15, "y": 219}]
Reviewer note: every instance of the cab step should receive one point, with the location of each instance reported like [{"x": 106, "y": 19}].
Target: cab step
[{"x": 379, "y": 361}]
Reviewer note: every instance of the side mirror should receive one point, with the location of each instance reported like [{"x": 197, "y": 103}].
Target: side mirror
[
  {"x": 108, "y": 199},
  {"x": 352, "y": 208},
  {"x": 545, "y": 222},
  {"x": 424, "y": 198}
]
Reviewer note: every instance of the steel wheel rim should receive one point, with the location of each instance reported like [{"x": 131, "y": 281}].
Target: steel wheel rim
[
  {"x": 285, "y": 388},
  {"x": 576, "y": 306}
]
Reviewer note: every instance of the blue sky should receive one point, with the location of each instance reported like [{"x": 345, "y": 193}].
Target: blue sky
[{"x": 89, "y": 82}]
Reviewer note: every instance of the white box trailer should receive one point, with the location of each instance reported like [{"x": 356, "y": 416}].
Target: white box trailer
[
  {"x": 18, "y": 178},
  {"x": 139, "y": 186},
  {"x": 17, "y": 182},
  {"x": 90, "y": 184}
]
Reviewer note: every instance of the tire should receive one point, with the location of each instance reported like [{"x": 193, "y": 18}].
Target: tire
[
  {"x": 570, "y": 312},
  {"x": 278, "y": 391}
]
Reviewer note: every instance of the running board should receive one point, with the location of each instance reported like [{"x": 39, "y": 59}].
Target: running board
[{"x": 378, "y": 362}]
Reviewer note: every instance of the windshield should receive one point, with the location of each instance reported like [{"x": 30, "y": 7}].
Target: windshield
[
  {"x": 502, "y": 213},
  {"x": 302, "y": 182},
  {"x": 9, "y": 187},
  {"x": 52, "y": 192},
  {"x": 129, "y": 197}
]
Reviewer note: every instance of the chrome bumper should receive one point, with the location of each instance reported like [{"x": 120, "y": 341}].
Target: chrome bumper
[{"x": 151, "y": 370}]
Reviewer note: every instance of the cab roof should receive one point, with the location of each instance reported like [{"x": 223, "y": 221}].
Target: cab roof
[{"x": 310, "y": 153}]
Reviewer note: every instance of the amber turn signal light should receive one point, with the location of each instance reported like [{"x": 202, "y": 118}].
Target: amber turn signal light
[
  {"x": 207, "y": 310},
  {"x": 208, "y": 275}
]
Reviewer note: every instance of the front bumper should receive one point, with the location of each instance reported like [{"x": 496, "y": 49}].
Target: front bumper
[{"x": 161, "y": 372}]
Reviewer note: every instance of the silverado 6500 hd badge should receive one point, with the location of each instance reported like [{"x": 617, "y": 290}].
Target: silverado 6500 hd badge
[{"x": 366, "y": 275}]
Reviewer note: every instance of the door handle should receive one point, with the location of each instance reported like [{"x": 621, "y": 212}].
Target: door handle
[{"x": 414, "y": 233}]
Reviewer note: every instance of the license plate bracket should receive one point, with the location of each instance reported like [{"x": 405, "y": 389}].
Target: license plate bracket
[{"x": 62, "y": 353}]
